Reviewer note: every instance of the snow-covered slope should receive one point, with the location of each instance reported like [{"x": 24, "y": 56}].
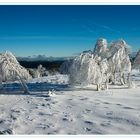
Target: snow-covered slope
[{"x": 72, "y": 110}]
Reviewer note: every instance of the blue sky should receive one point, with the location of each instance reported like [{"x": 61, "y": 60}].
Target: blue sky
[{"x": 65, "y": 30}]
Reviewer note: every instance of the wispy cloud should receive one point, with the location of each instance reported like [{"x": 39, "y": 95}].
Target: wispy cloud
[
  {"x": 110, "y": 29},
  {"x": 93, "y": 27},
  {"x": 89, "y": 29}
]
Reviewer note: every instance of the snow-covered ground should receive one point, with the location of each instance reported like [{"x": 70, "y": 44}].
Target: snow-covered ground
[{"x": 60, "y": 109}]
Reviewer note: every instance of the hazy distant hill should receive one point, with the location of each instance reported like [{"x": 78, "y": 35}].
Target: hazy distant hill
[{"x": 43, "y": 58}]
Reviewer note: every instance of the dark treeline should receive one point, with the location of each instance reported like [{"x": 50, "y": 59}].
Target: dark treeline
[{"x": 49, "y": 65}]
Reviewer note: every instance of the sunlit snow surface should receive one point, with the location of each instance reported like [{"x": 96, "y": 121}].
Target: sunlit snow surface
[{"x": 53, "y": 107}]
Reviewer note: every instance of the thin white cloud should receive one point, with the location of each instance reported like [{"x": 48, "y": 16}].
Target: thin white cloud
[
  {"x": 90, "y": 26},
  {"x": 87, "y": 28},
  {"x": 110, "y": 29}
]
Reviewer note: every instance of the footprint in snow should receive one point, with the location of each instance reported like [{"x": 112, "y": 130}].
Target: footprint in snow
[
  {"x": 128, "y": 107},
  {"x": 65, "y": 119},
  {"x": 43, "y": 126},
  {"x": 89, "y": 122},
  {"x": 13, "y": 117},
  {"x": 87, "y": 111},
  {"x": 84, "y": 99},
  {"x": 54, "y": 102},
  {"x": 2, "y": 121},
  {"x": 88, "y": 129},
  {"x": 109, "y": 113},
  {"x": 4, "y": 132},
  {"x": 15, "y": 111},
  {"x": 47, "y": 99},
  {"x": 43, "y": 105},
  {"x": 48, "y": 114},
  {"x": 41, "y": 113},
  {"x": 106, "y": 103},
  {"x": 105, "y": 107},
  {"x": 119, "y": 104},
  {"x": 105, "y": 123},
  {"x": 97, "y": 103},
  {"x": 69, "y": 107}
]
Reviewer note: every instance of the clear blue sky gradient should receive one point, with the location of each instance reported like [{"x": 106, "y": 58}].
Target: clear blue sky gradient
[{"x": 65, "y": 30}]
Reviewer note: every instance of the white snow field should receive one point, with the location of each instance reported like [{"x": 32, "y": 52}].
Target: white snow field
[{"x": 60, "y": 109}]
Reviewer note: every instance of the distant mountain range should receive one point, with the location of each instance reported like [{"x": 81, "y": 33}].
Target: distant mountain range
[
  {"x": 43, "y": 58},
  {"x": 51, "y": 58}
]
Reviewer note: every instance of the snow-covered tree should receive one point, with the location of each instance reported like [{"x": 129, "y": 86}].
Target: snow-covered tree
[
  {"x": 89, "y": 69},
  {"x": 42, "y": 70},
  {"x": 38, "y": 72},
  {"x": 119, "y": 61},
  {"x": 136, "y": 64},
  {"x": 79, "y": 68},
  {"x": 11, "y": 70},
  {"x": 65, "y": 67},
  {"x": 102, "y": 65}
]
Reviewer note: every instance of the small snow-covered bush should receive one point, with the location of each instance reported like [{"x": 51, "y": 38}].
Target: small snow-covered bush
[{"x": 38, "y": 72}]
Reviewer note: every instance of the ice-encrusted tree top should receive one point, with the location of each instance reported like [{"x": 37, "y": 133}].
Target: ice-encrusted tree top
[
  {"x": 101, "y": 47},
  {"x": 117, "y": 45}
]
